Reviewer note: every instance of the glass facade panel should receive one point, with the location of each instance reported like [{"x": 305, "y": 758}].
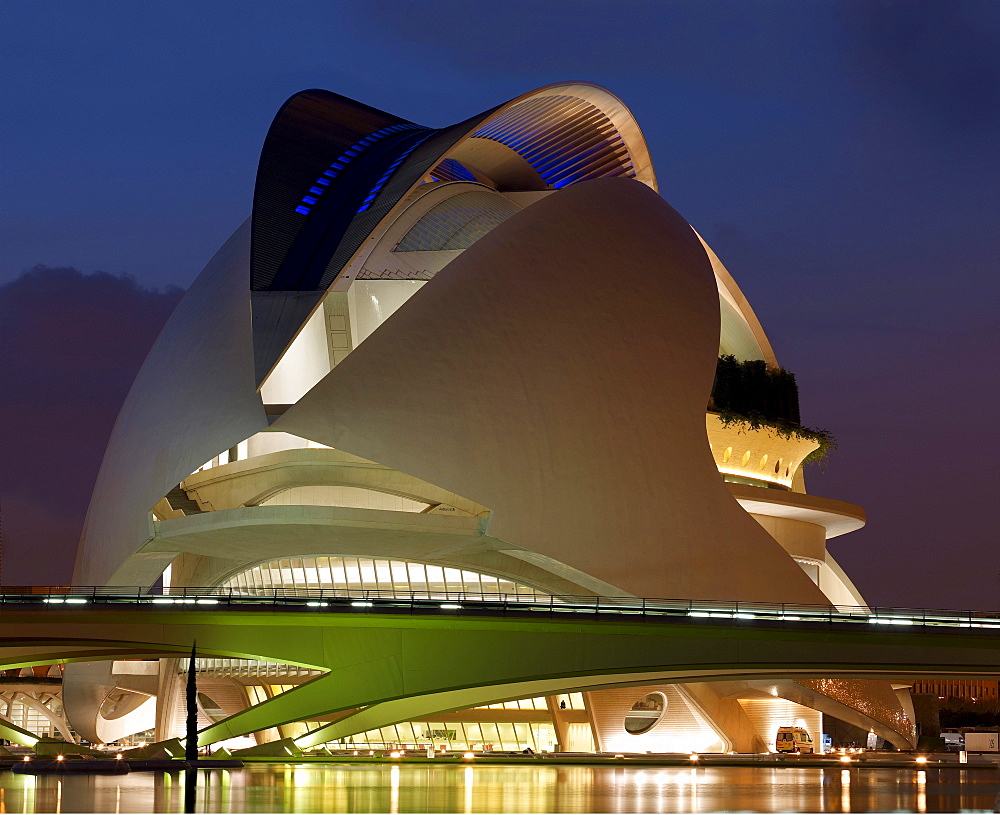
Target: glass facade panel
[
  {"x": 349, "y": 497},
  {"x": 457, "y": 223},
  {"x": 391, "y": 578},
  {"x": 458, "y": 736},
  {"x": 508, "y": 740},
  {"x": 491, "y": 736}
]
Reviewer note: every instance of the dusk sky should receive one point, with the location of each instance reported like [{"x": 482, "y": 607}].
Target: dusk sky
[{"x": 840, "y": 157}]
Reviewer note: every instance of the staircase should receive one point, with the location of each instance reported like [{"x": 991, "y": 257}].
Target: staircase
[{"x": 179, "y": 500}]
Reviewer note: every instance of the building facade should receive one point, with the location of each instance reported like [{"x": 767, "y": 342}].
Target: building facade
[{"x": 455, "y": 363}]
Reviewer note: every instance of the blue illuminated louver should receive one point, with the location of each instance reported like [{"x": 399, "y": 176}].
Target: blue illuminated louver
[
  {"x": 451, "y": 170},
  {"x": 563, "y": 139},
  {"x": 345, "y": 158},
  {"x": 389, "y": 171}
]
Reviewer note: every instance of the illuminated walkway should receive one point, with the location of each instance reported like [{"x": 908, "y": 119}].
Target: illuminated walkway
[{"x": 402, "y": 659}]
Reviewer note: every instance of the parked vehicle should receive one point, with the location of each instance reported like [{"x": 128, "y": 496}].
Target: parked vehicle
[
  {"x": 953, "y": 742},
  {"x": 794, "y": 740}
]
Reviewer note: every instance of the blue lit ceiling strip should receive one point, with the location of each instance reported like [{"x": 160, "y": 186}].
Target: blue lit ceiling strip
[
  {"x": 323, "y": 182},
  {"x": 388, "y": 173}
]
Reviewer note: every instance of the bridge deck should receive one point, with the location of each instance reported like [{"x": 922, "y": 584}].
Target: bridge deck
[{"x": 499, "y": 605}]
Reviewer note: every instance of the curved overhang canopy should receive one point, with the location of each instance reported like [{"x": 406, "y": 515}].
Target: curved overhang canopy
[
  {"x": 332, "y": 170},
  {"x": 836, "y": 517}
]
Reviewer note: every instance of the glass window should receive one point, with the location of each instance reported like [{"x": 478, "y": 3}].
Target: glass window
[
  {"x": 365, "y": 574},
  {"x": 458, "y": 222},
  {"x": 508, "y": 739}
]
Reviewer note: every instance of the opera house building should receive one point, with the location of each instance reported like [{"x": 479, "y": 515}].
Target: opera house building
[{"x": 486, "y": 359}]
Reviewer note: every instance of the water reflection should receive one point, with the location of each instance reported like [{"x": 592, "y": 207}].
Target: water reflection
[{"x": 485, "y": 789}]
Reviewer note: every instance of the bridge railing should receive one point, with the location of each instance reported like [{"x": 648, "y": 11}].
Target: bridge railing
[{"x": 492, "y": 604}]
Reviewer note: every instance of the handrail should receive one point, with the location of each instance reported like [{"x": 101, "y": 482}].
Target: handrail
[{"x": 523, "y": 604}]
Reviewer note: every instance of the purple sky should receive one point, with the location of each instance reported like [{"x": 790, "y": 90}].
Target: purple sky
[{"x": 841, "y": 158}]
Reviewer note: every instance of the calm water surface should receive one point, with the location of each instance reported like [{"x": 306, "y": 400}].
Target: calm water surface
[{"x": 460, "y": 789}]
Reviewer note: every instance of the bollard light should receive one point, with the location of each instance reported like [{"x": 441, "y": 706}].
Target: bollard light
[
  {"x": 60, "y": 758},
  {"x": 693, "y": 757}
]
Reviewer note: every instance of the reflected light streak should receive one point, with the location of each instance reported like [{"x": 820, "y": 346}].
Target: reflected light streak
[
  {"x": 921, "y": 791},
  {"x": 468, "y": 789},
  {"x": 845, "y": 790},
  {"x": 394, "y": 790}
]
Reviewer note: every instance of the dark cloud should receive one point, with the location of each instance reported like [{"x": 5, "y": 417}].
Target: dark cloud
[{"x": 72, "y": 343}]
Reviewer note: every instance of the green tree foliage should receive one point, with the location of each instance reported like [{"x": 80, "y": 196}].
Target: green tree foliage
[
  {"x": 751, "y": 387},
  {"x": 750, "y": 394}
]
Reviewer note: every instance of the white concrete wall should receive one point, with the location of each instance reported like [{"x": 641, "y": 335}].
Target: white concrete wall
[{"x": 304, "y": 364}]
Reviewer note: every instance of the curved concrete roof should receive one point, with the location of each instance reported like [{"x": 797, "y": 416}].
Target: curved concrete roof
[
  {"x": 332, "y": 170},
  {"x": 592, "y": 458}
]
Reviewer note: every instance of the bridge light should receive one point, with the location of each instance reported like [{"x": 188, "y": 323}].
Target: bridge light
[
  {"x": 693, "y": 757},
  {"x": 361, "y": 604},
  {"x": 27, "y": 758},
  {"x": 77, "y": 600},
  {"x": 845, "y": 759},
  {"x": 314, "y": 604},
  {"x": 119, "y": 756},
  {"x": 450, "y": 605},
  {"x": 921, "y": 759},
  {"x": 394, "y": 754},
  {"x": 207, "y": 602},
  {"x": 468, "y": 755}
]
